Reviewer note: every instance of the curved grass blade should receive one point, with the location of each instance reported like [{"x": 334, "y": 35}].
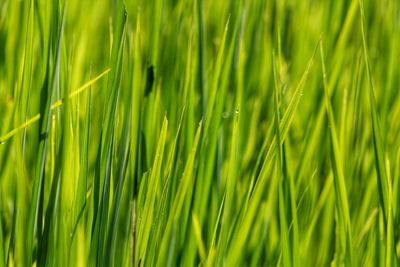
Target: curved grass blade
[{"x": 55, "y": 105}]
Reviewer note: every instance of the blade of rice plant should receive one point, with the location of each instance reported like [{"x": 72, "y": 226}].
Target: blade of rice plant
[
  {"x": 284, "y": 229},
  {"x": 378, "y": 146},
  {"x": 338, "y": 174},
  {"x": 176, "y": 209},
  {"x": 146, "y": 222},
  {"x": 27, "y": 70},
  {"x": 211, "y": 252},
  {"x": 231, "y": 184},
  {"x": 36, "y": 201},
  {"x": 201, "y": 56},
  {"x": 124, "y": 157},
  {"x": 239, "y": 240},
  {"x": 105, "y": 159},
  {"x": 137, "y": 97},
  {"x": 55, "y": 105},
  {"x": 2, "y": 251},
  {"x": 200, "y": 242},
  {"x": 384, "y": 182}
]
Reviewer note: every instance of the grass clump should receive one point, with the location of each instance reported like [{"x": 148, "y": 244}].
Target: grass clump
[{"x": 199, "y": 133}]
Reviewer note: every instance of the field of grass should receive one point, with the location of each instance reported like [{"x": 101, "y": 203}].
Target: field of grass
[{"x": 200, "y": 133}]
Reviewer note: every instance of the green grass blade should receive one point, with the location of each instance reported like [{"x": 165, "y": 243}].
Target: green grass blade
[
  {"x": 239, "y": 240},
  {"x": 35, "y": 212},
  {"x": 338, "y": 173},
  {"x": 180, "y": 196},
  {"x": 378, "y": 146},
  {"x": 147, "y": 217},
  {"x": 284, "y": 229},
  {"x": 2, "y": 251}
]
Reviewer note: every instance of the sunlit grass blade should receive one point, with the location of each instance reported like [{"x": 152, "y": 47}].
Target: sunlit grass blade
[
  {"x": 34, "y": 219},
  {"x": 177, "y": 204},
  {"x": 27, "y": 71},
  {"x": 109, "y": 123},
  {"x": 116, "y": 203},
  {"x": 240, "y": 237},
  {"x": 383, "y": 174},
  {"x": 105, "y": 159},
  {"x": 136, "y": 102},
  {"x": 201, "y": 56},
  {"x": 281, "y": 176},
  {"x": 228, "y": 215},
  {"x": 338, "y": 174},
  {"x": 2, "y": 251},
  {"x": 55, "y": 105},
  {"x": 199, "y": 239},
  {"x": 378, "y": 146},
  {"x": 147, "y": 214},
  {"x": 211, "y": 252}
]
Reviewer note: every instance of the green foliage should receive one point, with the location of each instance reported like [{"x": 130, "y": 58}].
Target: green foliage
[{"x": 199, "y": 133}]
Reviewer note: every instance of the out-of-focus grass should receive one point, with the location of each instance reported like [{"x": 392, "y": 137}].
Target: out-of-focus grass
[{"x": 211, "y": 133}]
